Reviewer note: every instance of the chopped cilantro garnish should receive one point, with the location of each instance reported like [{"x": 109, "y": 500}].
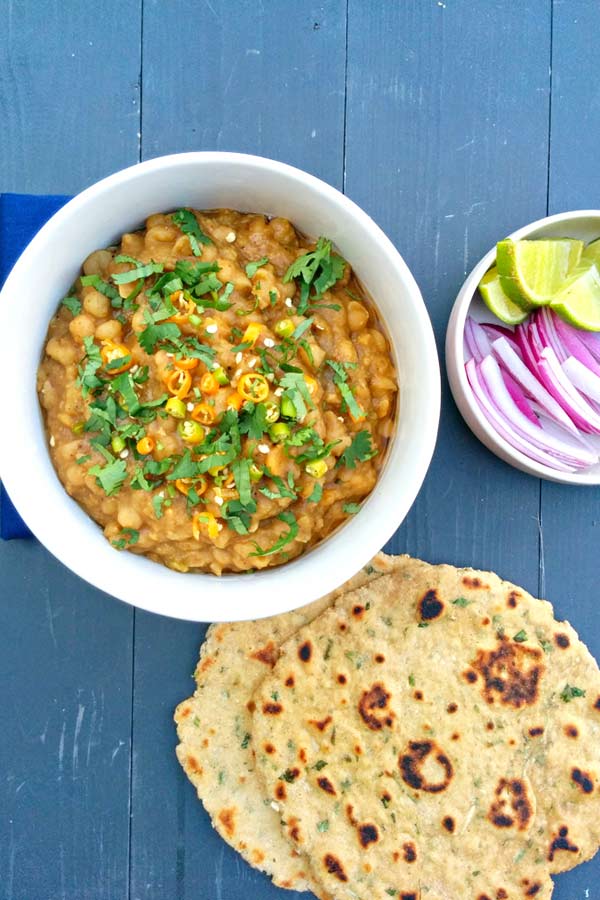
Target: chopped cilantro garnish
[
  {"x": 185, "y": 467},
  {"x": 319, "y": 269},
  {"x": 359, "y": 450},
  {"x": 273, "y": 297},
  {"x": 158, "y": 501},
  {"x": 296, "y": 389},
  {"x": 153, "y": 334},
  {"x": 82, "y": 459},
  {"x": 129, "y": 536},
  {"x": 73, "y": 304},
  {"x": 340, "y": 379},
  {"x": 317, "y": 493},
  {"x": 241, "y": 474},
  {"x": 124, "y": 386},
  {"x": 191, "y": 273},
  {"x": 188, "y": 223},
  {"x": 111, "y": 476},
  {"x": 245, "y": 345},
  {"x": 569, "y": 693},
  {"x": 253, "y": 267},
  {"x": 103, "y": 287},
  {"x": 88, "y": 380},
  {"x": 140, "y": 271},
  {"x": 301, "y": 328},
  {"x": 253, "y": 420},
  {"x": 288, "y": 536},
  {"x": 351, "y": 508}
]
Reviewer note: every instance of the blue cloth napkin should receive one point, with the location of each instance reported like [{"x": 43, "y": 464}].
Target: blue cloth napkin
[{"x": 21, "y": 217}]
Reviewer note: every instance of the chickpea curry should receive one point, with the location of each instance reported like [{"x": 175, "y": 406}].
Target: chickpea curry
[{"x": 218, "y": 391}]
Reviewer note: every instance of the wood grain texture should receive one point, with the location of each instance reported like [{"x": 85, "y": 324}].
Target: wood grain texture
[
  {"x": 571, "y": 516},
  {"x": 65, "y": 682},
  {"x": 69, "y": 92},
  {"x": 267, "y": 78},
  {"x": 446, "y": 145}
]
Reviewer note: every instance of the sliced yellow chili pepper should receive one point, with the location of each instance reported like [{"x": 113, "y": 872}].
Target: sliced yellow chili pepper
[
  {"x": 111, "y": 352},
  {"x": 145, "y": 445},
  {"x": 234, "y": 401},
  {"x": 253, "y": 386},
  {"x": 185, "y": 307},
  {"x": 187, "y": 364},
  {"x": 204, "y": 413},
  {"x": 209, "y": 384},
  {"x": 179, "y": 383},
  {"x": 253, "y": 330},
  {"x": 184, "y": 485},
  {"x": 204, "y": 522},
  {"x": 310, "y": 383}
]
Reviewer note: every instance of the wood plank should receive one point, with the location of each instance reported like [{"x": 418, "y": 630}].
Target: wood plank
[
  {"x": 65, "y": 676},
  {"x": 570, "y": 515},
  {"x": 251, "y": 85},
  {"x": 69, "y": 92},
  {"x": 446, "y": 148},
  {"x": 69, "y": 103}
]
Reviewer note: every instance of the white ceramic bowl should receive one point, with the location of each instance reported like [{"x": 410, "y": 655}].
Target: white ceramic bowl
[
  {"x": 583, "y": 224},
  {"x": 96, "y": 218}
]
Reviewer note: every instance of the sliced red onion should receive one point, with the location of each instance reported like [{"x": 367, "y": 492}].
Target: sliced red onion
[
  {"x": 495, "y": 331},
  {"x": 470, "y": 344},
  {"x": 548, "y": 334},
  {"x": 574, "y": 346},
  {"x": 591, "y": 339},
  {"x": 491, "y": 377},
  {"x": 480, "y": 338},
  {"x": 574, "y": 404},
  {"x": 504, "y": 428},
  {"x": 529, "y": 357},
  {"x": 583, "y": 379},
  {"x": 519, "y": 398},
  {"x": 530, "y": 383}
]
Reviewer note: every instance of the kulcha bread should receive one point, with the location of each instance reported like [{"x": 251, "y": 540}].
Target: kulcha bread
[
  {"x": 434, "y": 735},
  {"x": 214, "y": 728}
]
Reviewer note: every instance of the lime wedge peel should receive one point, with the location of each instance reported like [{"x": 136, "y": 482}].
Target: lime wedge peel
[
  {"x": 497, "y": 302},
  {"x": 578, "y": 303},
  {"x": 531, "y": 273}
]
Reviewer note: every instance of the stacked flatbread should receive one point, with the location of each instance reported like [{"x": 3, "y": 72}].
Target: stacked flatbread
[{"x": 425, "y": 733}]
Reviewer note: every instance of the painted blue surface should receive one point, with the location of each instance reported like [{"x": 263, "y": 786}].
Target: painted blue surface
[{"x": 451, "y": 122}]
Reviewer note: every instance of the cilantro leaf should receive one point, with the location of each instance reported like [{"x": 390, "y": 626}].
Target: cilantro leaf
[
  {"x": 569, "y": 693},
  {"x": 73, "y": 304},
  {"x": 124, "y": 385},
  {"x": 157, "y": 505},
  {"x": 351, "y": 508},
  {"x": 253, "y": 420},
  {"x": 319, "y": 269},
  {"x": 348, "y": 397},
  {"x": 288, "y": 536},
  {"x": 188, "y": 223},
  {"x": 140, "y": 271},
  {"x": 317, "y": 493},
  {"x": 153, "y": 334},
  {"x": 301, "y": 328},
  {"x": 359, "y": 450},
  {"x": 184, "y": 468},
  {"x": 296, "y": 389},
  {"x": 92, "y": 361},
  {"x": 110, "y": 477},
  {"x": 129, "y": 536},
  {"x": 253, "y": 267},
  {"x": 103, "y": 287},
  {"x": 241, "y": 474},
  {"x": 191, "y": 272}
]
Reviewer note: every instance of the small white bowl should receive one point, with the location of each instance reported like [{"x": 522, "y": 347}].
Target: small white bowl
[
  {"x": 583, "y": 224},
  {"x": 45, "y": 271}
]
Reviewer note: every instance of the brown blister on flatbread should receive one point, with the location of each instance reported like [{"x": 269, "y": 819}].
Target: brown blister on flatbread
[
  {"x": 511, "y": 672},
  {"x": 374, "y": 709},
  {"x": 233, "y": 660},
  {"x": 511, "y": 806},
  {"x": 485, "y": 758}
]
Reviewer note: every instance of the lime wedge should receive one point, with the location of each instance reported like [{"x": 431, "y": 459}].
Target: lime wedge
[
  {"x": 579, "y": 301},
  {"x": 496, "y": 300},
  {"x": 592, "y": 252},
  {"x": 533, "y": 272}
]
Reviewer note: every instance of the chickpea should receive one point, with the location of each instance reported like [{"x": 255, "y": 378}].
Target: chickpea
[
  {"x": 97, "y": 262},
  {"x": 61, "y": 350},
  {"x": 128, "y": 517},
  {"x": 132, "y": 244},
  {"x": 109, "y": 331},
  {"x": 229, "y": 271},
  {"x": 156, "y": 219},
  {"x": 161, "y": 234},
  {"x": 282, "y": 231},
  {"x": 138, "y": 322},
  {"x": 358, "y": 316},
  {"x": 75, "y": 476},
  {"x": 96, "y": 304},
  {"x": 82, "y": 326}
]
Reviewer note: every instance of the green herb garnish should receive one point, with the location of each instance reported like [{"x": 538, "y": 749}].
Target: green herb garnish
[
  {"x": 569, "y": 693},
  {"x": 73, "y": 304},
  {"x": 188, "y": 223},
  {"x": 129, "y": 536},
  {"x": 290, "y": 519},
  {"x": 520, "y": 636},
  {"x": 253, "y": 267},
  {"x": 359, "y": 450}
]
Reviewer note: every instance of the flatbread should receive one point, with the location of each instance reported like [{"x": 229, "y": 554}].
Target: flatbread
[
  {"x": 431, "y": 740},
  {"x": 214, "y": 728}
]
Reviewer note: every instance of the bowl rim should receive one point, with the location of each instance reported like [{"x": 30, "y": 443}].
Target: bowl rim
[
  {"x": 455, "y": 367},
  {"x": 305, "y": 578}
]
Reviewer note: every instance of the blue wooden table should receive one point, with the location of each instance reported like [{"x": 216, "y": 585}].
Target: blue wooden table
[{"x": 451, "y": 122}]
